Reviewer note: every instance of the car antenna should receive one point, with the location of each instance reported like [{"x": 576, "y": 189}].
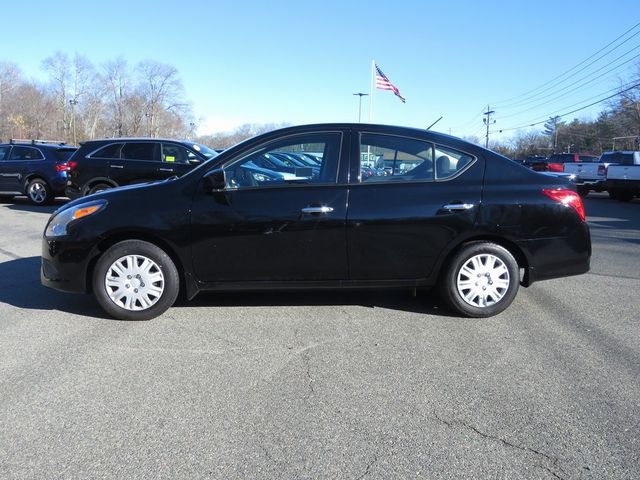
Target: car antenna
[{"x": 429, "y": 127}]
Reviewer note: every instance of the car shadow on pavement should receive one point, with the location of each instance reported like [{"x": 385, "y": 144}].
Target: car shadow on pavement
[
  {"x": 20, "y": 287},
  {"x": 22, "y": 204},
  {"x": 426, "y": 302}
]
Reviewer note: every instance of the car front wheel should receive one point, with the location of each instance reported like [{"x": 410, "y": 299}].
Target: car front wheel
[
  {"x": 135, "y": 280},
  {"x": 481, "y": 280}
]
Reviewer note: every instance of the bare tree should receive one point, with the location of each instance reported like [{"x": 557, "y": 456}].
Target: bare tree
[
  {"x": 10, "y": 79},
  {"x": 162, "y": 91}
]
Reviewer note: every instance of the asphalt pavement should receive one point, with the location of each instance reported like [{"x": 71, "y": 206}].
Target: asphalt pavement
[{"x": 356, "y": 385}]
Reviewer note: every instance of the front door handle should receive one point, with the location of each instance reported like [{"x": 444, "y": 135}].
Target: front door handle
[
  {"x": 116, "y": 166},
  {"x": 166, "y": 169},
  {"x": 458, "y": 207},
  {"x": 316, "y": 210}
]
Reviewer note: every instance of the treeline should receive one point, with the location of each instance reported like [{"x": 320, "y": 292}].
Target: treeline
[{"x": 80, "y": 101}]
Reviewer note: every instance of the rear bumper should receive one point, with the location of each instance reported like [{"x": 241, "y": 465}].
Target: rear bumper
[
  {"x": 557, "y": 257},
  {"x": 72, "y": 192},
  {"x": 592, "y": 184},
  {"x": 631, "y": 185}
]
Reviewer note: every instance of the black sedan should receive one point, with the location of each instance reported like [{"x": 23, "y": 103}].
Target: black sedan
[{"x": 450, "y": 215}]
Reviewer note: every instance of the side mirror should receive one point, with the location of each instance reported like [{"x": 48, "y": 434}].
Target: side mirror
[{"x": 215, "y": 180}]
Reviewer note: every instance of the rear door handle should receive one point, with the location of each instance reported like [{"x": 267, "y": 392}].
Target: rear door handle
[
  {"x": 458, "y": 207},
  {"x": 166, "y": 169},
  {"x": 322, "y": 209},
  {"x": 116, "y": 166}
]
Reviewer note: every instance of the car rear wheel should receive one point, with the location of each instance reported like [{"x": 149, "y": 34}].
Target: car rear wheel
[
  {"x": 99, "y": 187},
  {"x": 135, "y": 280},
  {"x": 39, "y": 192},
  {"x": 481, "y": 280}
]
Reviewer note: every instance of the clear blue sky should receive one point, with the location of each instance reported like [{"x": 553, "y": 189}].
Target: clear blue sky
[{"x": 300, "y": 62}]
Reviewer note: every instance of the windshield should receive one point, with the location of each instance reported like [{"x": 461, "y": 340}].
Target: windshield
[{"x": 204, "y": 150}]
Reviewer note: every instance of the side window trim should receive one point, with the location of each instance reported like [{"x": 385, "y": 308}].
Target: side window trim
[{"x": 435, "y": 145}]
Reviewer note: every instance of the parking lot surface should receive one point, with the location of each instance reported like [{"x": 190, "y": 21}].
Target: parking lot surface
[{"x": 325, "y": 384}]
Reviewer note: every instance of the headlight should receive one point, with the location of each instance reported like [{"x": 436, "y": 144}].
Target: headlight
[{"x": 60, "y": 222}]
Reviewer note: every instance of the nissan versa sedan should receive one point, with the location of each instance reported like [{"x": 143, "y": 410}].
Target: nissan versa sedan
[{"x": 445, "y": 213}]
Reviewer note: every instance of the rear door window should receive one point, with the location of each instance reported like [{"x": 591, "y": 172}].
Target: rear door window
[
  {"x": 148, "y": 151},
  {"x": 385, "y": 158},
  {"x": 26, "y": 153}
]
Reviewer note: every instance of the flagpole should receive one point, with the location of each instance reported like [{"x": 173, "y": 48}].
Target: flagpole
[{"x": 373, "y": 79}]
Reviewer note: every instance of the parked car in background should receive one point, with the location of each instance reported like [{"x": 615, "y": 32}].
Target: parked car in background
[
  {"x": 590, "y": 176},
  {"x": 623, "y": 178},
  {"x": 535, "y": 162},
  {"x": 557, "y": 161},
  {"x": 35, "y": 168},
  {"x": 457, "y": 217},
  {"x": 103, "y": 164}
]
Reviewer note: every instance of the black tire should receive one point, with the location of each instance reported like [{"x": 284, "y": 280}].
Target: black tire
[
  {"x": 583, "y": 191},
  {"x": 613, "y": 194},
  {"x": 505, "y": 275},
  {"x": 624, "y": 196},
  {"x": 98, "y": 187},
  {"x": 163, "y": 266},
  {"x": 39, "y": 192}
]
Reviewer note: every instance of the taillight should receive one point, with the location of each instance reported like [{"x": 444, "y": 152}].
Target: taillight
[
  {"x": 602, "y": 170},
  {"x": 72, "y": 165},
  {"x": 556, "y": 167},
  {"x": 62, "y": 167},
  {"x": 569, "y": 198}
]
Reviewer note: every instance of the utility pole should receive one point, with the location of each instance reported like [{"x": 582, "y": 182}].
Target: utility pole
[{"x": 487, "y": 121}]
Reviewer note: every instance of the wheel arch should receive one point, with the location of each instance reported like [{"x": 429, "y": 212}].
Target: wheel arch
[
  {"x": 186, "y": 285},
  {"x": 32, "y": 176},
  {"x": 89, "y": 184},
  {"x": 512, "y": 247}
]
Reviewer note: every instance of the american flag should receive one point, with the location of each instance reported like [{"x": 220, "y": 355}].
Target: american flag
[{"x": 383, "y": 83}]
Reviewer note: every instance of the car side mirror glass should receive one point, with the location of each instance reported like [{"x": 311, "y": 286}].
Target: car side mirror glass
[{"x": 215, "y": 180}]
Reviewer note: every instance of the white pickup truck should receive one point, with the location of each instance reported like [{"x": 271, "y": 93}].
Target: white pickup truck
[
  {"x": 623, "y": 179},
  {"x": 590, "y": 175}
]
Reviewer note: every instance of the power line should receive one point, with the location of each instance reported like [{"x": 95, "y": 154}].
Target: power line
[
  {"x": 572, "y": 111},
  {"x": 504, "y": 103},
  {"x": 573, "y": 90}
]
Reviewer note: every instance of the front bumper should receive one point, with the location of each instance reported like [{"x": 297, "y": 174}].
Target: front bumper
[{"x": 65, "y": 264}]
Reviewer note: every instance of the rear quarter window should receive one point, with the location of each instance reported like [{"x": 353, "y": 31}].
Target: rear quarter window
[{"x": 109, "y": 152}]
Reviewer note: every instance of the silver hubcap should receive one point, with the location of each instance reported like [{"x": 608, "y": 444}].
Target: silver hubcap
[
  {"x": 37, "y": 192},
  {"x": 483, "y": 280},
  {"x": 134, "y": 282}
]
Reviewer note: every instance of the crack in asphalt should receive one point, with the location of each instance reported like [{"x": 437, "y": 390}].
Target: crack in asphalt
[
  {"x": 306, "y": 360},
  {"x": 369, "y": 465},
  {"x": 554, "y": 461}
]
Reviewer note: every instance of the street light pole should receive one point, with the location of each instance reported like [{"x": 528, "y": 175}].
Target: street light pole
[
  {"x": 73, "y": 102},
  {"x": 360, "y": 104}
]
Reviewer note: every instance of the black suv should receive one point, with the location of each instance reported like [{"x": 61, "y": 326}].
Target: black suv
[
  {"x": 102, "y": 164},
  {"x": 35, "y": 168}
]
